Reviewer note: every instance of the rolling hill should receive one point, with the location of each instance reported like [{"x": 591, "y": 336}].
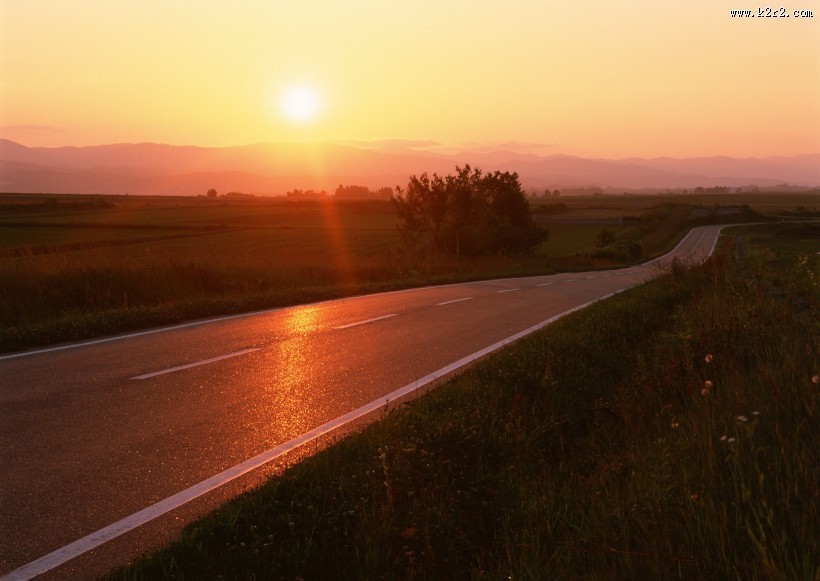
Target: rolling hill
[{"x": 266, "y": 168}]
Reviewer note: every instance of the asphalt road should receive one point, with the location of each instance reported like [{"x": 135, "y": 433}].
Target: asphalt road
[{"x": 93, "y": 432}]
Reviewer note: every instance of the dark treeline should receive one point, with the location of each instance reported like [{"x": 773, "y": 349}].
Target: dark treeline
[
  {"x": 362, "y": 193},
  {"x": 470, "y": 213}
]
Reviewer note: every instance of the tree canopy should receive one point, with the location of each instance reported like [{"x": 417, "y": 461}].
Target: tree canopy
[{"x": 469, "y": 213}]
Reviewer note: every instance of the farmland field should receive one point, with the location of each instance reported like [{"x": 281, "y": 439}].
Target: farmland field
[{"x": 80, "y": 266}]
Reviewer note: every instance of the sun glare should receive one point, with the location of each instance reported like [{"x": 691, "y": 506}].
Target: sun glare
[{"x": 299, "y": 104}]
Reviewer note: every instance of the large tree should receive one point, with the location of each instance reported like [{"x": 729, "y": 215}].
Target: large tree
[{"x": 469, "y": 213}]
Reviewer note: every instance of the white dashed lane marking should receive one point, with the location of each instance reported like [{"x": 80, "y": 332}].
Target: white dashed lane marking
[
  {"x": 196, "y": 364},
  {"x": 374, "y": 319},
  {"x": 453, "y": 301}
]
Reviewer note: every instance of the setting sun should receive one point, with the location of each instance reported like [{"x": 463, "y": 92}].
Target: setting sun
[
  {"x": 645, "y": 79},
  {"x": 299, "y": 104}
]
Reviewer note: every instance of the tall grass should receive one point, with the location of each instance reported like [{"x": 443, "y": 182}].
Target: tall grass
[
  {"x": 67, "y": 295},
  {"x": 669, "y": 432}
]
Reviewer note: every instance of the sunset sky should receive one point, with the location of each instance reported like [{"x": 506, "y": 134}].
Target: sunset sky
[{"x": 587, "y": 77}]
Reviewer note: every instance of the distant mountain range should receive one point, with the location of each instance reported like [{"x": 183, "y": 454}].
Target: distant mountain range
[{"x": 265, "y": 168}]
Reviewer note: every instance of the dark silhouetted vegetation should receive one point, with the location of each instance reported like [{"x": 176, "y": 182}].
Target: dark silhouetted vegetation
[
  {"x": 605, "y": 238},
  {"x": 468, "y": 214},
  {"x": 354, "y": 192}
]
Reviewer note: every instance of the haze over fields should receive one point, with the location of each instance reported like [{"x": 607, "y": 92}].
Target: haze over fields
[
  {"x": 274, "y": 169},
  {"x": 639, "y": 94}
]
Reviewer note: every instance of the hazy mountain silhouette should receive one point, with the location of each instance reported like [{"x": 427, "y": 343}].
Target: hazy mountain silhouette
[{"x": 265, "y": 168}]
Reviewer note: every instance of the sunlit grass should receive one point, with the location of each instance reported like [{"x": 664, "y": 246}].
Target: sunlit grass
[{"x": 588, "y": 450}]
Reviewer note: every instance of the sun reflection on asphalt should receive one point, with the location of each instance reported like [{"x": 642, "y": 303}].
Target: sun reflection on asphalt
[{"x": 292, "y": 390}]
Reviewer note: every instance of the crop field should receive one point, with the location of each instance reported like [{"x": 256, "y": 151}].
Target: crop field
[
  {"x": 22, "y": 237},
  {"x": 80, "y": 266},
  {"x": 193, "y": 212},
  {"x": 635, "y": 204}
]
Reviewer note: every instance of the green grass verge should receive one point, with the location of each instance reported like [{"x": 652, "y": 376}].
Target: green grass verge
[{"x": 668, "y": 432}]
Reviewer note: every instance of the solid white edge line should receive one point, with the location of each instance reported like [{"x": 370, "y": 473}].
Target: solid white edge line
[
  {"x": 509, "y": 290},
  {"x": 357, "y": 323},
  {"x": 453, "y": 301},
  {"x": 137, "y": 334},
  {"x": 715, "y": 241},
  {"x": 197, "y": 363},
  {"x": 129, "y": 523}
]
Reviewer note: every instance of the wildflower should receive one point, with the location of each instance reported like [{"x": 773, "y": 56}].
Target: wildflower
[
  {"x": 693, "y": 497},
  {"x": 815, "y": 379},
  {"x": 742, "y": 419},
  {"x": 409, "y": 533},
  {"x": 704, "y": 392},
  {"x": 708, "y": 358},
  {"x": 731, "y": 440},
  {"x": 675, "y": 425},
  {"x": 723, "y": 438},
  {"x": 755, "y": 413},
  {"x": 707, "y": 384}
]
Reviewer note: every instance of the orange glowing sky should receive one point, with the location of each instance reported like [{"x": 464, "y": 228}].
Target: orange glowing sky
[{"x": 589, "y": 77}]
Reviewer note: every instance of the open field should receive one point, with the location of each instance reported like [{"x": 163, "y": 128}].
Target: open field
[
  {"x": 635, "y": 204},
  {"x": 667, "y": 432},
  {"x": 79, "y": 266}
]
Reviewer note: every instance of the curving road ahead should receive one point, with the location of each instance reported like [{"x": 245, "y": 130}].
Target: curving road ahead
[{"x": 99, "y": 438}]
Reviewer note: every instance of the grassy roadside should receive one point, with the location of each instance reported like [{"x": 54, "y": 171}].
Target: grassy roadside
[{"x": 666, "y": 433}]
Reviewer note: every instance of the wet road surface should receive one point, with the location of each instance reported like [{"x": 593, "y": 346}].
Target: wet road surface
[{"x": 93, "y": 432}]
